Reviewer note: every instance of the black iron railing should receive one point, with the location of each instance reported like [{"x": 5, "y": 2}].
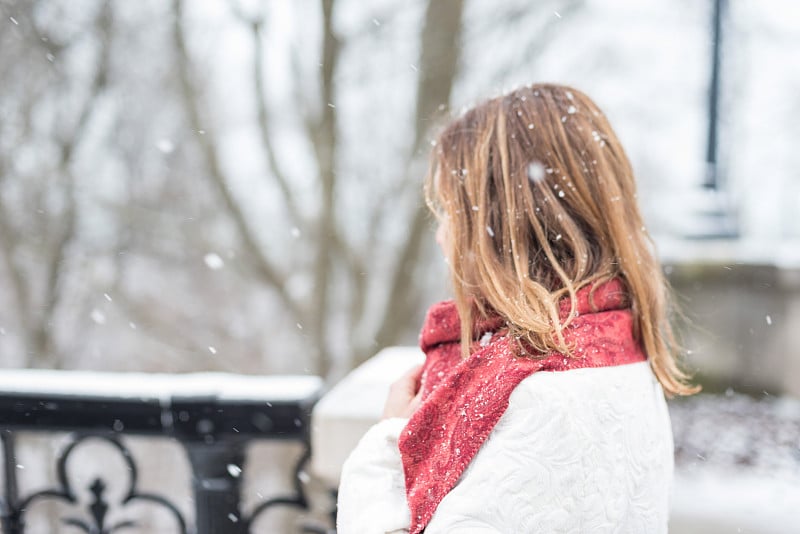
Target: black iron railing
[{"x": 213, "y": 423}]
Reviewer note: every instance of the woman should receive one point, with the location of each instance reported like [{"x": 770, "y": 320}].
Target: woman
[{"x": 540, "y": 406}]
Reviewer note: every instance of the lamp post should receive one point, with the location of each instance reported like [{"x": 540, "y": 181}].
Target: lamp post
[{"x": 711, "y": 180}]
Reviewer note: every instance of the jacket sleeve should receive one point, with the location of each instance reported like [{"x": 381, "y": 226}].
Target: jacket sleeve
[{"x": 372, "y": 494}]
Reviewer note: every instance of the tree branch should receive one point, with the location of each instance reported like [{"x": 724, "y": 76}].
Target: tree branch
[
  {"x": 324, "y": 143},
  {"x": 263, "y": 123},
  {"x": 438, "y": 69},
  {"x": 544, "y": 35},
  {"x": 18, "y": 286},
  {"x": 150, "y": 322},
  {"x": 256, "y": 25},
  {"x": 55, "y": 266},
  {"x": 265, "y": 268}
]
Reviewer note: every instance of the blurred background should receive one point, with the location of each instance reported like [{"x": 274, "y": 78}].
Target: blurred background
[{"x": 235, "y": 185}]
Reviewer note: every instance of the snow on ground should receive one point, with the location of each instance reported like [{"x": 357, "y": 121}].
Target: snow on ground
[{"x": 737, "y": 465}]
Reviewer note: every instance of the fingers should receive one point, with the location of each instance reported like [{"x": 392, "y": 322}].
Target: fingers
[
  {"x": 410, "y": 380},
  {"x": 414, "y": 373},
  {"x": 405, "y": 394},
  {"x": 416, "y": 401}
]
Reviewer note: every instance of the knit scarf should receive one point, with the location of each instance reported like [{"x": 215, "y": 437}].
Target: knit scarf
[{"x": 463, "y": 398}]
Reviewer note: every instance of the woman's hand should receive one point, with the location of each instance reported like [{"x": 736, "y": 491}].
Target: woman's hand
[{"x": 404, "y": 395}]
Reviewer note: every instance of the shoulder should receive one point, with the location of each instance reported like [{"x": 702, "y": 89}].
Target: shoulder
[
  {"x": 591, "y": 400},
  {"x": 616, "y": 383},
  {"x": 567, "y": 452}
]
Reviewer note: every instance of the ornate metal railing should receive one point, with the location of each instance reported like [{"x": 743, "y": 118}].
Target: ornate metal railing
[{"x": 212, "y": 416}]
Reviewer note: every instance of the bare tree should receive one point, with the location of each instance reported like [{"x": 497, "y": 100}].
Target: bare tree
[
  {"x": 333, "y": 254},
  {"x": 38, "y": 300},
  {"x": 140, "y": 113}
]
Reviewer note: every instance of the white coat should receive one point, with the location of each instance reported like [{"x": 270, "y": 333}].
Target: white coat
[{"x": 580, "y": 451}]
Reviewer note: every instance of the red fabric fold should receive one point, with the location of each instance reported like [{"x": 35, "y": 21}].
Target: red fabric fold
[{"x": 464, "y": 398}]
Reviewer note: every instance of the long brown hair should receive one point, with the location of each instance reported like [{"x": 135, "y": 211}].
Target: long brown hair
[{"x": 538, "y": 199}]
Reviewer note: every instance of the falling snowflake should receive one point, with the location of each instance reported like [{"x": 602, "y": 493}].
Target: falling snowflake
[
  {"x": 98, "y": 316},
  {"x": 213, "y": 261},
  {"x": 165, "y": 146},
  {"x": 234, "y": 470},
  {"x": 536, "y": 171}
]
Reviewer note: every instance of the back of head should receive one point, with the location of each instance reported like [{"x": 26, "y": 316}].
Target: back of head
[{"x": 538, "y": 199}]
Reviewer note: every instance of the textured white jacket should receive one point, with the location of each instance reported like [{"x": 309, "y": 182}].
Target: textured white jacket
[{"x": 580, "y": 451}]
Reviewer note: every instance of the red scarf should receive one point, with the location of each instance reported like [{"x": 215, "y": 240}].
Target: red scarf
[{"x": 464, "y": 398}]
